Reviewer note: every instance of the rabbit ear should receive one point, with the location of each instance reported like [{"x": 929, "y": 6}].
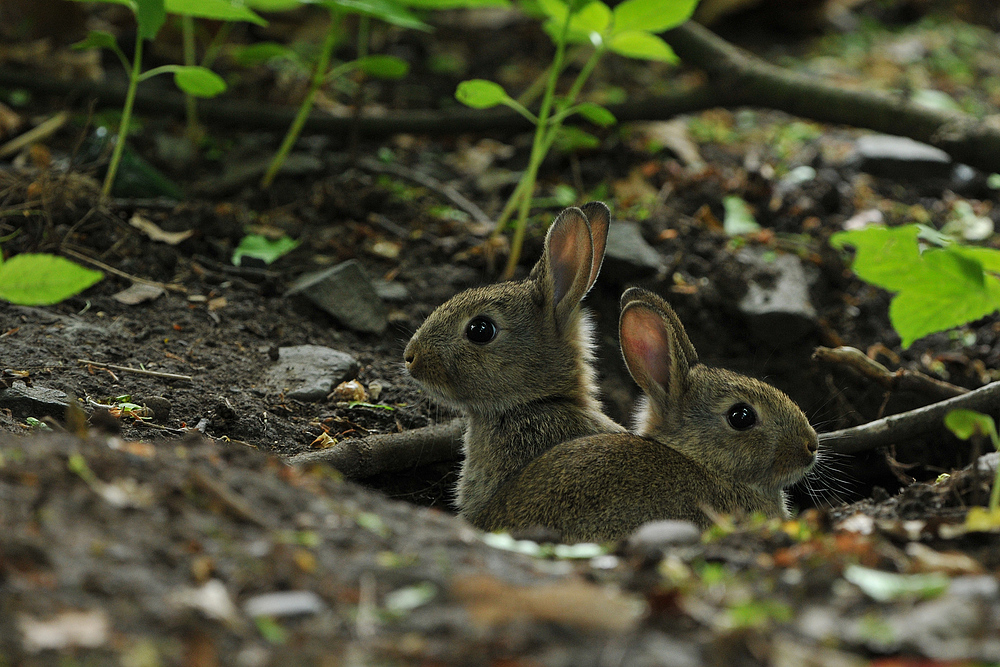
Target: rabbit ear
[
  {"x": 599, "y": 216},
  {"x": 656, "y": 349},
  {"x": 656, "y": 303},
  {"x": 568, "y": 262}
]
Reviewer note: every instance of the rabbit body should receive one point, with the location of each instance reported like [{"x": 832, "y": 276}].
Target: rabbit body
[
  {"x": 516, "y": 358},
  {"x": 709, "y": 441}
]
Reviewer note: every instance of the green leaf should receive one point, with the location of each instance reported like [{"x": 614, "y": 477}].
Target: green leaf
[
  {"x": 383, "y": 10},
  {"x": 263, "y": 248},
  {"x": 273, "y": 5},
  {"x": 554, "y": 9},
  {"x": 967, "y": 423},
  {"x": 935, "y": 99},
  {"x": 131, "y": 4},
  {"x": 199, "y": 81},
  {"x": 42, "y": 280},
  {"x": 882, "y": 254},
  {"x": 938, "y": 289},
  {"x": 454, "y": 4},
  {"x": 651, "y": 15},
  {"x": 585, "y": 27},
  {"x": 96, "y": 39},
  {"x": 410, "y": 597},
  {"x": 641, "y": 45},
  {"x": 739, "y": 219},
  {"x": 886, "y": 586},
  {"x": 481, "y": 94},
  {"x": 257, "y": 54},
  {"x": 570, "y": 139},
  {"x": 219, "y": 10},
  {"x": 383, "y": 67},
  {"x": 596, "y": 114},
  {"x": 150, "y": 16}
]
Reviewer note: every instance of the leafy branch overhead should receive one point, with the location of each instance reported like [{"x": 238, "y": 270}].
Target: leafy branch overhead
[{"x": 939, "y": 284}]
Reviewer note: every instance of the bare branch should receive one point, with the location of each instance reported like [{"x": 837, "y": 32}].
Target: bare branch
[
  {"x": 906, "y": 425},
  {"x": 901, "y": 380},
  {"x": 357, "y": 458}
]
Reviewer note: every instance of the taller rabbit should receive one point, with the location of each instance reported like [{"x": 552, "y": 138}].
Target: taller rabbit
[{"x": 516, "y": 358}]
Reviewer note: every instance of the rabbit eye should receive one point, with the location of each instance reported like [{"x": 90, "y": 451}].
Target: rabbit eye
[
  {"x": 741, "y": 416},
  {"x": 481, "y": 330}
]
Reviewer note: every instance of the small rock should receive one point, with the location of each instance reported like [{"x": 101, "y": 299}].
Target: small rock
[
  {"x": 391, "y": 291},
  {"x": 160, "y": 407},
  {"x": 776, "y": 305},
  {"x": 308, "y": 372},
  {"x": 655, "y": 536},
  {"x": 25, "y": 401},
  {"x": 901, "y": 157},
  {"x": 349, "y": 391},
  {"x": 285, "y": 603},
  {"x": 346, "y": 293},
  {"x": 628, "y": 256}
]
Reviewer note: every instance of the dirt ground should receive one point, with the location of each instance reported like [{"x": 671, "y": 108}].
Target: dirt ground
[{"x": 184, "y": 539}]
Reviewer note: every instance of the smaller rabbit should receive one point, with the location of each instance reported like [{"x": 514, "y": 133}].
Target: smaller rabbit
[
  {"x": 707, "y": 439},
  {"x": 516, "y": 358}
]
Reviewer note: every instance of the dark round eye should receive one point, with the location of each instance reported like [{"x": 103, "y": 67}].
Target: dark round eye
[
  {"x": 741, "y": 416},
  {"x": 481, "y": 330}
]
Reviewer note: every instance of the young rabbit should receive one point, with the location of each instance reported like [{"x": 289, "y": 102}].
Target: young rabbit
[
  {"x": 708, "y": 438},
  {"x": 516, "y": 358}
]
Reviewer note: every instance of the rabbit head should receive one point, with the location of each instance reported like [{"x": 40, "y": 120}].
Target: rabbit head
[
  {"x": 490, "y": 349},
  {"x": 739, "y": 427}
]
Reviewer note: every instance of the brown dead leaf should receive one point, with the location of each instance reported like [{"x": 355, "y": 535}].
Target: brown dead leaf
[
  {"x": 153, "y": 231},
  {"x": 138, "y": 293},
  {"x": 951, "y": 563},
  {"x": 577, "y": 603}
]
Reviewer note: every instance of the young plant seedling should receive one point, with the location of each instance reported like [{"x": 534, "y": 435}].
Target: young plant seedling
[
  {"x": 150, "y": 16},
  {"x": 628, "y": 30}
]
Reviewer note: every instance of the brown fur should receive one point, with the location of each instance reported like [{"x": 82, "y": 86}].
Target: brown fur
[
  {"x": 533, "y": 385},
  {"x": 685, "y": 457}
]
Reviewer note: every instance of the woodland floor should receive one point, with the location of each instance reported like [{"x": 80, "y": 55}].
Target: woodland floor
[{"x": 150, "y": 542}]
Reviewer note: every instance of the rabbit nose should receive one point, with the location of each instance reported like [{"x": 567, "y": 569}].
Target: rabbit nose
[
  {"x": 812, "y": 444},
  {"x": 409, "y": 355}
]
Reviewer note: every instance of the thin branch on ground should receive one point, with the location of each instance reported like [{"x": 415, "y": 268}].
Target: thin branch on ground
[
  {"x": 451, "y": 194},
  {"x": 899, "y": 428},
  {"x": 900, "y": 380},
  {"x": 358, "y": 458},
  {"x": 138, "y": 371},
  {"x": 121, "y": 274}
]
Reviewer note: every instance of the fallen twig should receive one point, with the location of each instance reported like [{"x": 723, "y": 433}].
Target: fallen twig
[
  {"x": 906, "y": 425},
  {"x": 900, "y": 380},
  {"x": 121, "y": 274},
  {"x": 140, "y": 371},
  {"x": 39, "y": 133},
  {"x": 443, "y": 189},
  {"x": 357, "y": 458}
]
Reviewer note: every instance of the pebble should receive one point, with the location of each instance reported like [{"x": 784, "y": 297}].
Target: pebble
[
  {"x": 901, "y": 157},
  {"x": 308, "y": 372},
  {"x": 628, "y": 256},
  {"x": 25, "y": 401},
  {"x": 657, "y": 535},
  {"x": 346, "y": 293},
  {"x": 776, "y": 305},
  {"x": 284, "y": 603}
]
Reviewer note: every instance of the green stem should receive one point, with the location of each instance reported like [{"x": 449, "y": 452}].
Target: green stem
[
  {"x": 995, "y": 491},
  {"x": 538, "y": 151},
  {"x": 116, "y": 154},
  {"x": 215, "y": 46},
  {"x": 319, "y": 76},
  {"x": 190, "y": 59}
]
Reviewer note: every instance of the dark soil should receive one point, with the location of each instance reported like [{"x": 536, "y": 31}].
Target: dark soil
[{"x": 133, "y": 524}]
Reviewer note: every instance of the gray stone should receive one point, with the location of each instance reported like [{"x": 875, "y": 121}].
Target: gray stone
[
  {"x": 628, "y": 256},
  {"x": 309, "y": 372},
  {"x": 655, "y": 536},
  {"x": 391, "y": 291},
  {"x": 284, "y": 603},
  {"x": 901, "y": 157},
  {"x": 345, "y": 292},
  {"x": 776, "y": 305},
  {"x": 25, "y": 401}
]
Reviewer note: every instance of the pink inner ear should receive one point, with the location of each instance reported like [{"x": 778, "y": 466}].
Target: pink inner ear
[
  {"x": 569, "y": 250},
  {"x": 646, "y": 344}
]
